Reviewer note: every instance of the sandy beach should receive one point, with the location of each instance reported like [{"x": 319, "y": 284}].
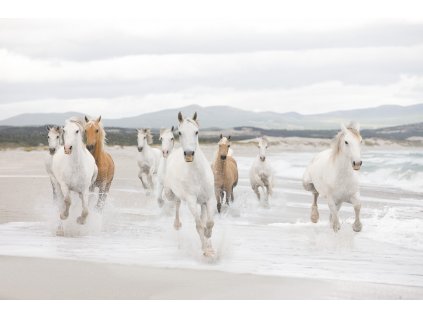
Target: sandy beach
[{"x": 131, "y": 251}]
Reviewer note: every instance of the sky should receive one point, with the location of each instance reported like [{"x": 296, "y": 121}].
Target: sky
[{"x": 287, "y": 60}]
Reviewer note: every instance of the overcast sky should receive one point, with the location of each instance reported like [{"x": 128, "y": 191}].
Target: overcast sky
[{"x": 124, "y": 68}]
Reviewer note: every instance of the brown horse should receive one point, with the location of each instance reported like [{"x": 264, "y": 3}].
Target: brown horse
[
  {"x": 225, "y": 172},
  {"x": 96, "y": 137}
]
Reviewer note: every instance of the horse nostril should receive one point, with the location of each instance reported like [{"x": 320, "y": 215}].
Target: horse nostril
[
  {"x": 70, "y": 148},
  {"x": 185, "y": 153},
  {"x": 360, "y": 163}
]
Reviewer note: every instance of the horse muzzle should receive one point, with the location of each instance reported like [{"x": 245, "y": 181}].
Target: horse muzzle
[
  {"x": 165, "y": 154},
  {"x": 357, "y": 165},
  {"x": 262, "y": 158},
  {"x": 90, "y": 147},
  {"x": 68, "y": 149},
  {"x": 189, "y": 156},
  {"x": 140, "y": 149},
  {"x": 52, "y": 151},
  {"x": 223, "y": 157}
]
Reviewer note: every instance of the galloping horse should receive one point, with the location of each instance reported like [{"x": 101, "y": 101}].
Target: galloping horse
[
  {"x": 74, "y": 168},
  {"x": 148, "y": 159},
  {"x": 261, "y": 173},
  {"x": 225, "y": 172},
  {"x": 190, "y": 178},
  {"x": 54, "y": 142},
  {"x": 96, "y": 138},
  {"x": 333, "y": 174},
  {"x": 168, "y": 142}
]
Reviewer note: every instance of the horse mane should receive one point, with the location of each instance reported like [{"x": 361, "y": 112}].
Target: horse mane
[
  {"x": 195, "y": 122},
  {"x": 101, "y": 133},
  {"x": 79, "y": 122},
  {"x": 147, "y": 132}
]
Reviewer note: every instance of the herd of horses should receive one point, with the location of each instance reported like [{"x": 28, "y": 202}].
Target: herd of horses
[{"x": 78, "y": 162}]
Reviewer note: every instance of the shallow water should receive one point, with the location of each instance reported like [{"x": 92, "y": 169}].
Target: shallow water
[{"x": 248, "y": 237}]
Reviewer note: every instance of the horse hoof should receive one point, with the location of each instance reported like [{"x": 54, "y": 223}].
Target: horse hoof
[
  {"x": 81, "y": 220},
  {"x": 60, "y": 232},
  {"x": 336, "y": 227},
  {"x": 177, "y": 225},
  {"x": 64, "y": 215},
  {"x": 209, "y": 253},
  {"x": 357, "y": 226},
  {"x": 314, "y": 216}
]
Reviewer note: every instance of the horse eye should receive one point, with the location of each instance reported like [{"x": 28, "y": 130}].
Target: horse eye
[
  {"x": 196, "y": 132},
  {"x": 77, "y": 131},
  {"x": 57, "y": 137},
  {"x": 171, "y": 139},
  {"x": 48, "y": 137},
  {"x": 229, "y": 145},
  {"x": 180, "y": 133},
  {"x": 96, "y": 131},
  {"x": 346, "y": 142}
]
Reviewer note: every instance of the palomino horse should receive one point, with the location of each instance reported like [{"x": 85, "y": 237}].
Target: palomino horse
[
  {"x": 190, "y": 178},
  {"x": 168, "y": 142},
  {"x": 74, "y": 168},
  {"x": 225, "y": 172},
  {"x": 148, "y": 159},
  {"x": 333, "y": 174},
  {"x": 96, "y": 138},
  {"x": 54, "y": 137},
  {"x": 261, "y": 173}
]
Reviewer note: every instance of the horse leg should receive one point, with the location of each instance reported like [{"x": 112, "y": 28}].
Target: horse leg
[
  {"x": 334, "y": 219},
  {"x": 218, "y": 193},
  {"x": 256, "y": 190},
  {"x": 177, "y": 223},
  {"x": 67, "y": 201},
  {"x": 232, "y": 194},
  {"x": 356, "y": 202},
  {"x": 192, "y": 206},
  {"x": 150, "y": 179},
  {"x": 160, "y": 200},
  {"x": 84, "y": 198},
  {"x": 208, "y": 210},
  {"x": 140, "y": 176},
  {"x": 102, "y": 195},
  {"x": 314, "y": 211}
]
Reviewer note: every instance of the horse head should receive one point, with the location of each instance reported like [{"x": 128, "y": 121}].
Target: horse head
[
  {"x": 263, "y": 144},
  {"x": 168, "y": 141},
  {"x": 94, "y": 132},
  {"x": 188, "y": 135},
  {"x": 224, "y": 145},
  {"x": 349, "y": 143}
]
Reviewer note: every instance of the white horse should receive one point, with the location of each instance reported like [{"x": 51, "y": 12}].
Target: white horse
[
  {"x": 74, "y": 168},
  {"x": 189, "y": 177},
  {"x": 148, "y": 159},
  {"x": 261, "y": 173},
  {"x": 168, "y": 142},
  {"x": 54, "y": 138},
  {"x": 333, "y": 174}
]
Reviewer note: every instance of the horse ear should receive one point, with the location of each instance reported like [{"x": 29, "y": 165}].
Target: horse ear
[
  {"x": 99, "y": 119},
  {"x": 57, "y": 128},
  {"x": 194, "y": 117},
  {"x": 354, "y": 125},
  {"x": 161, "y": 132},
  {"x": 229, "y": 137},
  {"x": 47, "y": 128},
  {"x": 221, "y": 136},
  {"x": 86, "y": 119},
  {"x": 180, "y": 118},
  {"x": 343, "y": 128},
  {"x": 173, "y": 128}
]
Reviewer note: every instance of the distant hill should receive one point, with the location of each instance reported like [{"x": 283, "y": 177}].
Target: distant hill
[
  {"x": 35, "y": 136},
  {"x": 227, "y": 117}
]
